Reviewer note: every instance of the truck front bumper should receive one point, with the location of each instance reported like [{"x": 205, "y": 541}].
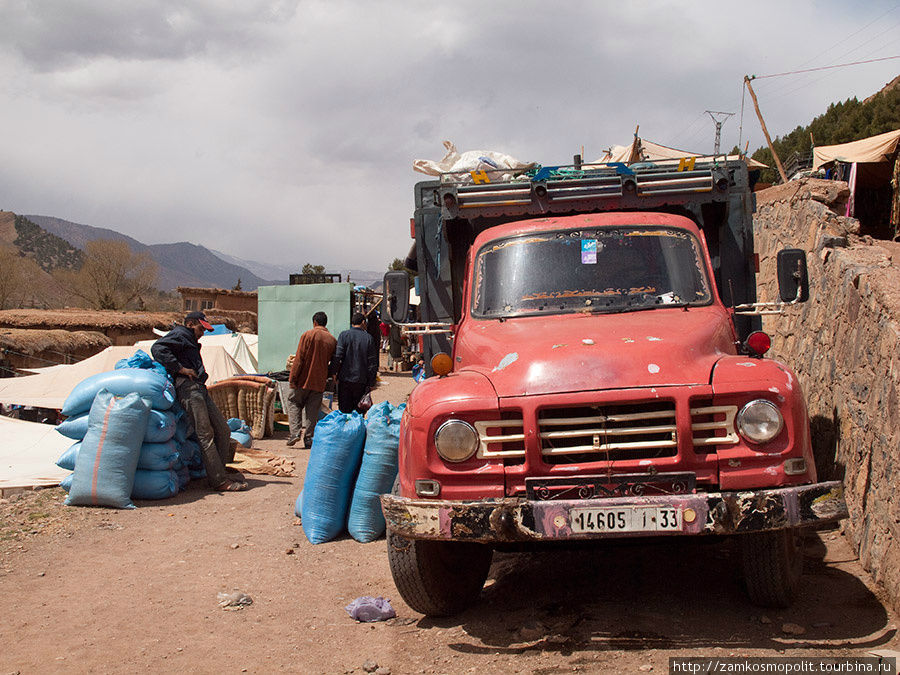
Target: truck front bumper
[{"x": 519, "y": 519}]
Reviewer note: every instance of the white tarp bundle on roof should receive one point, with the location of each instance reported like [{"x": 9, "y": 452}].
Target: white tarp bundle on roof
[
  {"x": 648, "y": 151},
  {"x": 49, "y": 387},
  {"x": 878, "y": 148},
  {"x": 238, "y": 345},
  {"x": 28, "y": 454}
]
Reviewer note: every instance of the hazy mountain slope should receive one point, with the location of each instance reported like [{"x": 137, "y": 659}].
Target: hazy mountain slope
[{"x": 180, "y": 264}]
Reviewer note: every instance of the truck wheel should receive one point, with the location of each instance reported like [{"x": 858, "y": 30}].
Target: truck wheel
[
  {"x": 772, "y": 564},
  {"x": 438, "y": 578}
]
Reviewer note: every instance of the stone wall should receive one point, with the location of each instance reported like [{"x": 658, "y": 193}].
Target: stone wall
[{"x": 844, "y": 345}]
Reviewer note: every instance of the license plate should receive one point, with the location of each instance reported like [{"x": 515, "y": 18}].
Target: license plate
[{"x": 626, "y": 519}]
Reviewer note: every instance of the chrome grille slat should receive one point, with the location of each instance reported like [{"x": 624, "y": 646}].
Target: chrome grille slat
[
  {"x": 612, "y": 432},
  {"x": 726, "y": 425},
  {"x": 483, "y": 426}
]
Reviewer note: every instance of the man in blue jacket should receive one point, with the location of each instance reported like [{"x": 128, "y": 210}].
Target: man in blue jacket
[
  {"x": 355, "y": 362},
  {"x": 179, "y": 351}
]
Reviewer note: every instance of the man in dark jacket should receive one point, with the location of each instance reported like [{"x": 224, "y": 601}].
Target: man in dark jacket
[
  {"x": 355, "y": 362},
  {"x": 179, "y": 351}
]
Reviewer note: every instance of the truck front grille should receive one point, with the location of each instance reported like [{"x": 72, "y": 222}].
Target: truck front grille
[
  {"x": 712, "y": 426},
  {"x": 503, "y": 438},
  {"x": 608, "y": 432}
]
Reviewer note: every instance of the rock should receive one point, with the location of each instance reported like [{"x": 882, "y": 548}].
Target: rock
[
  {"x": 236, "y": 600},
  {"x": 383, "y": 670},
  {"x": 765, "y": 619},
  {"x": 646, "y": 668},
  {"x": 370, "y": 666},
  {"x": 235, "y": 546},
  {"x": 40, "y": 574},
  {"x": 792, "y": 629}
]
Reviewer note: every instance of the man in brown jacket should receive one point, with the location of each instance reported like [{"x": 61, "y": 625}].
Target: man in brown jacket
[{"x": 309, "y": 373}]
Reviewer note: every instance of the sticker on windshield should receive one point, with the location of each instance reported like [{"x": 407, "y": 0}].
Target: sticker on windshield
[{"x": 588, "y": 251}]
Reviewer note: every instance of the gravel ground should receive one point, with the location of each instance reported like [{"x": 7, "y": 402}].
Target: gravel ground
[{"x": 101, "y": 590}]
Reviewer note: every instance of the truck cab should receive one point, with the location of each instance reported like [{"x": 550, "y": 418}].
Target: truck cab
[{"x": 593, "y": 384}]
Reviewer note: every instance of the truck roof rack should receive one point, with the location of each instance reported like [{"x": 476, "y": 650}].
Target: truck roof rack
[{"x": 559, "y": 189}]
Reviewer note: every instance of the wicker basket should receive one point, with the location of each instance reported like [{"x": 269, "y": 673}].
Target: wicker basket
[{"x": 249, "y": 398}]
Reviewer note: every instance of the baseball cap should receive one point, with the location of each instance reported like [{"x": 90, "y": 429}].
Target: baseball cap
[{"x": 200, "y": 317}]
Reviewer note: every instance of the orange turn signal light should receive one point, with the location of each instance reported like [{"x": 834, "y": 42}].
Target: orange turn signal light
[{"x": 441, "y": 364}]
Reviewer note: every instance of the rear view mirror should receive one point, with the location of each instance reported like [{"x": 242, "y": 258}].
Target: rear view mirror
[
  {"x": 793, "y": 278},
  {"x": 395, "y": 304}
]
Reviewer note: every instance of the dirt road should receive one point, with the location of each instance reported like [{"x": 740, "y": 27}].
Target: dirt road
[{"x": 100, "y": 590}]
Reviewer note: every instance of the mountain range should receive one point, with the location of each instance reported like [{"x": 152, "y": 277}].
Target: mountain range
[{"x": 187, "y": 264}]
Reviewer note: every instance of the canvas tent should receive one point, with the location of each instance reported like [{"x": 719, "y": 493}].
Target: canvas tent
[
  {"x": 49, "y": 387},
  {"x": 872, "y": 170},
  {"x": 237, "y": 345},
  {"x": 880, "y": 148},
  {"x": 28, "y": 454},
  {"x": 641, "y": 150}
]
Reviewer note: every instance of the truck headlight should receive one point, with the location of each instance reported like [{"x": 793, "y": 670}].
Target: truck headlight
[
  {"x": 456, "y": 440},
  {"x": 760, "y": 421}
]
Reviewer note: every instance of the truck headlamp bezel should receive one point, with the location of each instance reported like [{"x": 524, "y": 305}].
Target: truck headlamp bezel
[
  {"x": 760, "y": 421},
  {"x": 456, "y": 441}
]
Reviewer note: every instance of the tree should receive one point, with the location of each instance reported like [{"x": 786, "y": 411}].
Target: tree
[
  {"x": 237, "y": 286},
  {"x": 112, "y": 275},
  {"x": 309, "y": 268},
  {"x": 18, "y": 280}
]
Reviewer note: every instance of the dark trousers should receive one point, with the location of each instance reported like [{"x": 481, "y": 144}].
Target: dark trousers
[
  {"x": 213, "y": 434},
  {"x": 349, "y": 394}
]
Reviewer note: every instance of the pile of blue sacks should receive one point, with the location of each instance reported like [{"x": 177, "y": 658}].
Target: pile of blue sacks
[
  {"x": 352, "y": 462},
  {"x": 131, "y": 437}
]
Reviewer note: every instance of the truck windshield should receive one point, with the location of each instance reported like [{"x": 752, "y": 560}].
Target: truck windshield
[{"x": 599, "y": 270}]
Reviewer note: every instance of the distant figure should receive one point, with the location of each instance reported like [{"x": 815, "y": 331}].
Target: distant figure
[
  {"x": 309, "y": 373},
  {"x": 179, "y": 351},
  {"x": 356, "y": 364}
]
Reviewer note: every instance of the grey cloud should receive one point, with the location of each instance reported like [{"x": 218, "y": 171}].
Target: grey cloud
[{"x": 60, "y": 33}]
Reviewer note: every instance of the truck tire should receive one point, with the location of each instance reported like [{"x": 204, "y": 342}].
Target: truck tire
[
  {"x": 772, "y": 563},
  {"x": 437, "y": 578}
]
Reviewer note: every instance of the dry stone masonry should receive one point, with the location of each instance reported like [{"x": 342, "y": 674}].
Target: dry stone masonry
[{"x": 844, "y": 345}]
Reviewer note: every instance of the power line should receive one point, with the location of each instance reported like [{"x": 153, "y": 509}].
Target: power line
[{"x": 812, "y": 70}]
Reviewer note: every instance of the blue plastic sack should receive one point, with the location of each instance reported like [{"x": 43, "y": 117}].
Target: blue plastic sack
[
  {"x": 108, "y": 457},
  {"x": 67, "y": 459},
  {"x": 160, "y": 427},
  {"x": 141, "y": 359},
  {"x": 243, "y": 438},
  {"x": 236, "y": 424},
  {"x": 333, "y": 462},
  {"x": 184, "y": 476},
  {"x": 157, "y": 456},
  {"x": 154, "y": 484},
  {"x": 157, "y": 388},
  {"x": 66, "y": 483},
  {"x": 152, "y": 456},
  {"x": 377, "y": 472},
  {"x": 189, "y": 452}
]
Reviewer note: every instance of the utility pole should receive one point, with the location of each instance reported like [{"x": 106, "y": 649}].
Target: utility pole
[
  {"x": 718, "y": 123},
  {"x": 762, "y": 123}
]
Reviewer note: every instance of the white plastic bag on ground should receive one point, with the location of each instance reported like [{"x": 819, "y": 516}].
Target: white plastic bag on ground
[{"x": 496, "y": 165}]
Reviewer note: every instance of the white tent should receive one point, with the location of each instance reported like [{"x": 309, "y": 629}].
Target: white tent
[
  {"x": 880, "y": 148},
  {"x": 241, "y": 347},
  {"x": 28, "y": 454},
  {"x": 648, "y": 151},
  {"x": 50, "y": 386}
]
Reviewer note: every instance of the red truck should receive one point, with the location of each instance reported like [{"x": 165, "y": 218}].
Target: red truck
[{"x": 588, "y": 381}]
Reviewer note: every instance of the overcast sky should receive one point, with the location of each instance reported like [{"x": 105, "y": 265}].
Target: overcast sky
[{"x": 285, "y": 130}]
